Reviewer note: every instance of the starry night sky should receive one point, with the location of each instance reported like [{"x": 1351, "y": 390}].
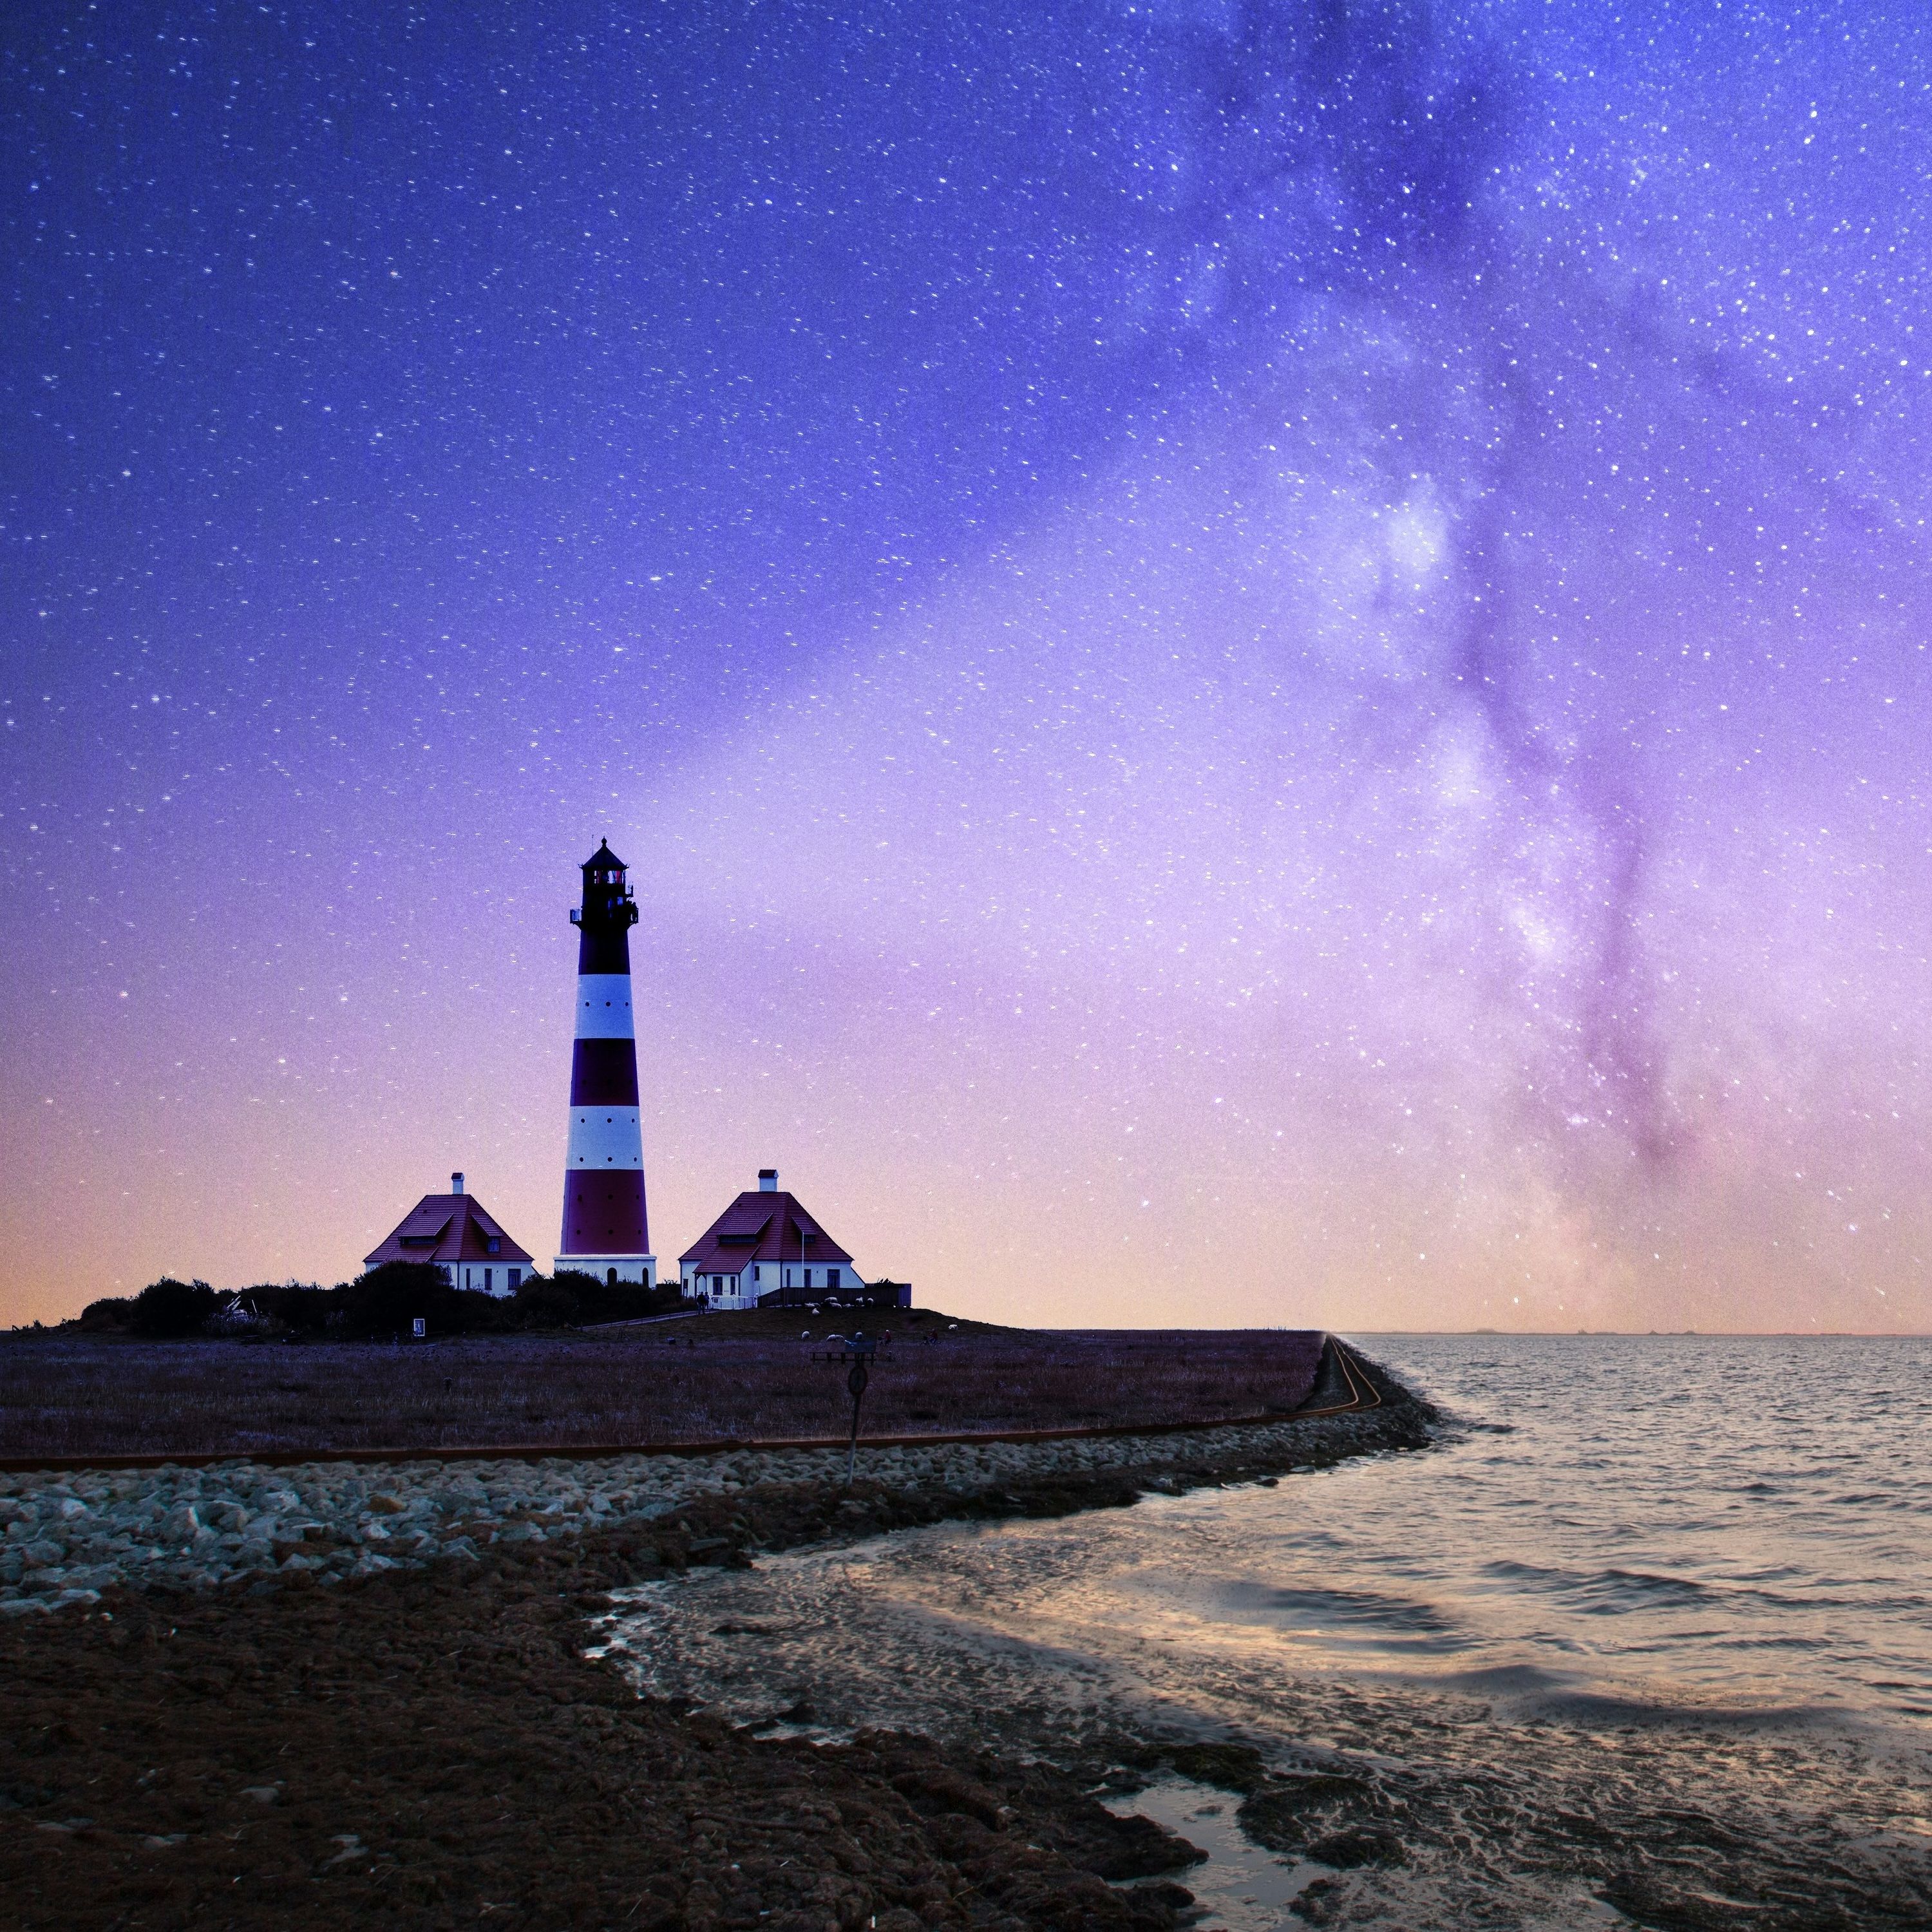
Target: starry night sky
[{"x": 1258, "y": 662}]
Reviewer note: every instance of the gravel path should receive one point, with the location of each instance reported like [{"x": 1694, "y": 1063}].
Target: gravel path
[{"x": 70, "y": 1535}]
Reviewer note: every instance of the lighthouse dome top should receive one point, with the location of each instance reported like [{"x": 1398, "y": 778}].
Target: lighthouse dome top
[{"x": 607, "y": 906}]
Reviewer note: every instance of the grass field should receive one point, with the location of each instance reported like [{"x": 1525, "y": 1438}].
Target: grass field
[{"x": 746, "y": 1377}]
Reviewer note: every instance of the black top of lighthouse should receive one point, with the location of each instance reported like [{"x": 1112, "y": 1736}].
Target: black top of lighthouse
[{"x": 607, "y": 907}]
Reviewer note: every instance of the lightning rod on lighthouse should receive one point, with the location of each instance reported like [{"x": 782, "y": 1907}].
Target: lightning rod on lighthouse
[{"x": 605, "y": 1231}]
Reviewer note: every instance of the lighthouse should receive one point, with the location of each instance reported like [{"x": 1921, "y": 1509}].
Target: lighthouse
[{"x": 605, "y": 1230}]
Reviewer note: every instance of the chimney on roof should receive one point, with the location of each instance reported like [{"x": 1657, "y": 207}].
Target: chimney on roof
[
  {"x": 768, "y": 1180},
  {"x": 456, "y": 1184}
]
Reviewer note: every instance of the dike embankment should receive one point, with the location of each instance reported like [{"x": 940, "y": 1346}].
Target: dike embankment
[{"x": 316, "y": 1724}]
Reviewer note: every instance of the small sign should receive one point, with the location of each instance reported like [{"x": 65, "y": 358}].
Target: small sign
[{"x": 419, "y": 1327}]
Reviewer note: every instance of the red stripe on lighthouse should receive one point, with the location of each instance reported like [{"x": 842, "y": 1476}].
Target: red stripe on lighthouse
[
  {"x": 603, "y": 1212},
  {"x": 604, "y": 1073}
]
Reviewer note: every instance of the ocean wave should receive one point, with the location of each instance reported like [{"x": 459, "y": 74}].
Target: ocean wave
[{"x": 1335, "y": 1610}]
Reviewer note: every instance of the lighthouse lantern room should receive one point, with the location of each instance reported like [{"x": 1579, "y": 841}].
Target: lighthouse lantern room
[{"x": 605, "y": 1230}]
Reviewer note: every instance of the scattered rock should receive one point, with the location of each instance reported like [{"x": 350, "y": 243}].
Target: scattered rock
[
  {"x": 1347, "y": 1850},
  {"x": 175, "y": 1527},
  {"x": 1284, "y": 1814}
]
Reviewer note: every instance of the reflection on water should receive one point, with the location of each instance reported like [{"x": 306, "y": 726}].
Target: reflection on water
[
  {"x": 1239, "y": 1887},
  {"x": 1651, "y": 1630},
  {"x": 1742, "y": 1520}
]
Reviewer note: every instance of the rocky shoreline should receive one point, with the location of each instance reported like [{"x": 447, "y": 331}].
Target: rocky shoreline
[
  {"x": 279, "y": 1728},
  {"x": 68, "y": 1536}
]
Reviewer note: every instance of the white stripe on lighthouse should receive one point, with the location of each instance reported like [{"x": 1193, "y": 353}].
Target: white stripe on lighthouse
[
  {"x": 606, "y": 1137},
  {"x": 603, "y": 1007}
]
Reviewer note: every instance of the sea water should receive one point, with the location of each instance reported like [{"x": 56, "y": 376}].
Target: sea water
[{"x": 1647, "y": 1637}]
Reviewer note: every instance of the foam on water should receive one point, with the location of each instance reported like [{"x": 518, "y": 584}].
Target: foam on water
[{"x": 1653, "y": 1643}]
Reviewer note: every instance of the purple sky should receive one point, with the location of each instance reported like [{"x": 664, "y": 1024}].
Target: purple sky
[{"x": 1257, "y": 663}]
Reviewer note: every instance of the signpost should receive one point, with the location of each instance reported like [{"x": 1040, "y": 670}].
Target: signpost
[{"x": 862, "y": 1350}]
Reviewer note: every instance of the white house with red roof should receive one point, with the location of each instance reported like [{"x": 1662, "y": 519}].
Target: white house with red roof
[
  {"x": 765, "y": 1242},
  {"x": 453, "y": 1232}
]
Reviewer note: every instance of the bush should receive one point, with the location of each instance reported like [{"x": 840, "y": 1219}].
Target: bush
[
  {"x": 389, "y": 1300},
  {"x": 600, "y": 1300},
  {"x": 168, "y": 1308},
  {"x": 296, "y": 1311},
  {"x": 548, "y": 1302}
]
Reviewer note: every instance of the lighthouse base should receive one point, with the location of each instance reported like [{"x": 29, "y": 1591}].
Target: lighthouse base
[{"x": 613, "y": 1268}]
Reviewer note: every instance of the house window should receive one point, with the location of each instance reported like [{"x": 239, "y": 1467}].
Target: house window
[
  {"x": 609, "y": 1277},
  {"x": 513, "y": 1278},
  {"x": 495, "y": 1245},
  {"x": 832, "y": 1277},
  {"x": 487, "y": 1274},
  {"x": 467, "y": 1273}
]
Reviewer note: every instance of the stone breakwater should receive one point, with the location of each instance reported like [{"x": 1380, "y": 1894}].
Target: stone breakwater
[{"x": 66, "y": 1537}]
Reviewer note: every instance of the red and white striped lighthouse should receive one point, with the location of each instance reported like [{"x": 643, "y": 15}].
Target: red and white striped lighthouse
[{"x": 604, "y": 1229}]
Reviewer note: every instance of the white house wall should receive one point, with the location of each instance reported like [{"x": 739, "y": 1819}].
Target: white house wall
[
  {"x": 638, "y": 1269},
  {"x": 767, "y": 1277},
  {"x": 469, "y": 1275}
]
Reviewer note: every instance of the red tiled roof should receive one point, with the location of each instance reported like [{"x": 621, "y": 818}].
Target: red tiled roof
[
  {"x": 762, "y": 1227},
  {"x": 447, "y": 1227}
]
